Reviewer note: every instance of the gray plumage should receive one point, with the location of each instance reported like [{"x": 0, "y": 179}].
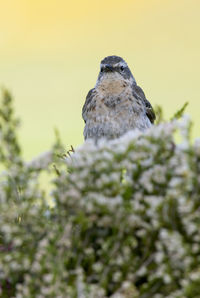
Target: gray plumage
[{"x": 116, "y": 104}]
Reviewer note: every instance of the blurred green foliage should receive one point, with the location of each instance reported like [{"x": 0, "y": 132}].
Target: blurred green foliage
[{"x": 125, "y": 220}]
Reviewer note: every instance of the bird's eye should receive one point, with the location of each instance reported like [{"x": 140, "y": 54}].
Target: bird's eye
[
  {"x": 101, "y": 69},
  {"x": 122, "y": 68}
]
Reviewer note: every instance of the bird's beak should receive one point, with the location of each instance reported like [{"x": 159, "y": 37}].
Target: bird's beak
[{"x": 108, "y": 68}]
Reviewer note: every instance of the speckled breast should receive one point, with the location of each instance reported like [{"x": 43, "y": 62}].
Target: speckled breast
[{"x": 111, "y": 113}]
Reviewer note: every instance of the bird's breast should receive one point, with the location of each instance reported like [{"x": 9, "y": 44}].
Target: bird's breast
[{"x": 112, "y": 115}]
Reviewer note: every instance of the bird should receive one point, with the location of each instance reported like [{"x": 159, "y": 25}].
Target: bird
[{"x": 116, "y": 104}]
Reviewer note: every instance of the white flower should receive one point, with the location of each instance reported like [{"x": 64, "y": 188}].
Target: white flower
[
  {"x": 142, "y": 271},
  {"x": 17, "y": 241},
  {"x": 48, "y": 278},
  {"x": 6, "y": 229},
  {"x": 44, "y": 242},
  {"x": 97, "y": 266},
  {"x": 36, "y": 266},
  {"x": 159, "y": 256},
  {"x": 167, "y": 278},
  {"x": 116, "y": 276},
  {"x": 41, "y": 161},
  {"x": 195, "y": 275}
]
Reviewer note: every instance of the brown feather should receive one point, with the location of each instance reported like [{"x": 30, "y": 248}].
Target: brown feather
[
  {"x": 88, "y": 100},
  {"x": 139, "y": 94}
]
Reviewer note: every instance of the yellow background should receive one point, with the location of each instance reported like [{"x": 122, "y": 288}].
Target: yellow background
[{"x": 50, "y": 52}]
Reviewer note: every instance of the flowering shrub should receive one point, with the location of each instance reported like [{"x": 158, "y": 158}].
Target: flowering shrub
[{"x": 125, "y": 220}]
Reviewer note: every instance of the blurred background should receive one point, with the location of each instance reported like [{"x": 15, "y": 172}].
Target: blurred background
[{"x": 50, "y": 52}]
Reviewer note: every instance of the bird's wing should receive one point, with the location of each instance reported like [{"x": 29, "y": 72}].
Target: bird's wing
[
  {"x": 87, "y": 104},
  {"x": 139, "y": 94}
]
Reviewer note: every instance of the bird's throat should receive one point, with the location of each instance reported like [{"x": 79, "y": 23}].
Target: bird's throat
[{"x": 111, "y": 86}]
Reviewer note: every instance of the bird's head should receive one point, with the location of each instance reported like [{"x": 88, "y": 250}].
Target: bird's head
[{"x": 114, "y": 68}]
